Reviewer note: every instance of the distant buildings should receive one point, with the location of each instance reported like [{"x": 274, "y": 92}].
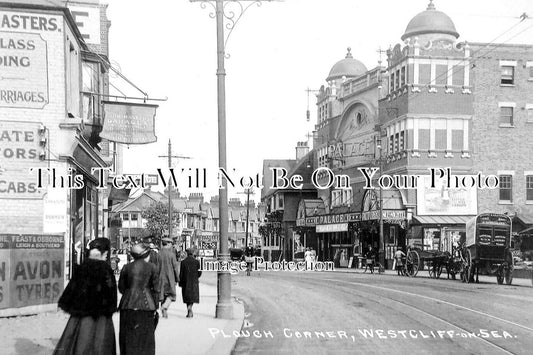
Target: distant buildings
[{"x": 198, "y": 225}]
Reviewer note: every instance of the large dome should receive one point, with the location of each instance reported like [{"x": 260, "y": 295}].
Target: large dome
[
  {"x": 430, "y": 21},
  {"x": 348, "y": 67}
]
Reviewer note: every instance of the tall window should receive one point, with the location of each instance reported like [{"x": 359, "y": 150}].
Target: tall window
[
  {"x": 403, "y": 81},
  {"x": 507, "y": 77},
  {"x": 392, "y": 88},
  {"x": 506, "y": 115},
  {"x": 529, "y": 187},
  {"x": 506, "y": 188}
]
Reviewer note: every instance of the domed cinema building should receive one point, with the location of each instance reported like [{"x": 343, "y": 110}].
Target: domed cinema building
[
  {"x": 437, "y": 103},
  {"x": 345, "y": 139},
  {"x": 458, "y": 105}
]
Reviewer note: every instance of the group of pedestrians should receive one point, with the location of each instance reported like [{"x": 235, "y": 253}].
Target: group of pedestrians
[{"x": 146, "y": 283}]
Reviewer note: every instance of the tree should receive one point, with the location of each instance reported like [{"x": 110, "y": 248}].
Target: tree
[{"x": 156, "y": 217}]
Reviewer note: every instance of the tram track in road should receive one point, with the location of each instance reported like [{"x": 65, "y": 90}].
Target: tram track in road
[
  {"x": 462, "y": 329},
  {"x": 436, "y": 300}
]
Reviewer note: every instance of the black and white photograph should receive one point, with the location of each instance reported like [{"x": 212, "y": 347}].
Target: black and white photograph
[{"x": 266, "y": 177}]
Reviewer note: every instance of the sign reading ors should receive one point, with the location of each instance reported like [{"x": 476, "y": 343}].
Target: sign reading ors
[{"x": 24, "y": 60}]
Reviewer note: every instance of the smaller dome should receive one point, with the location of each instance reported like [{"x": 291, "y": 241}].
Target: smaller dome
[
  {"x": 430, "y": 21},
  {"x": 348, "y": 67}
]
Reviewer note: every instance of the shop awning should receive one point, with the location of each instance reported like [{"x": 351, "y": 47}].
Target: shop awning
[{"x": 441, "y": 219}]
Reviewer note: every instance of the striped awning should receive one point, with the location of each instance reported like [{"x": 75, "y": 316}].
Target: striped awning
[{"x": 441, "y": 219}]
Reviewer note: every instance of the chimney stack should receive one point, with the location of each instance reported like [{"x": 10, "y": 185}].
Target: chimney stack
[{"x": 302, "y": 148}]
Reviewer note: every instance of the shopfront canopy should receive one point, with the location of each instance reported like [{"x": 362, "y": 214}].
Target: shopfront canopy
[{"x": 440, "y": 220}]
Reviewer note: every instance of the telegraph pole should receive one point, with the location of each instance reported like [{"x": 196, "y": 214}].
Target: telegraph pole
[
  {"x": 170, "y": 156},
  {"x": 248, "y": 191}
]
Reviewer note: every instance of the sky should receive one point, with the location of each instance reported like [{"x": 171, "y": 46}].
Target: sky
[{"x": 276, "y": 51}]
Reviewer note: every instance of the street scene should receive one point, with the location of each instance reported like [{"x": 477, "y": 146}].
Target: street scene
[{"x": 270, "y": 177}]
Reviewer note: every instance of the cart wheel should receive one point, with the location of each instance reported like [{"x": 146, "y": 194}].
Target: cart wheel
[{"x": 412, "y": 263}]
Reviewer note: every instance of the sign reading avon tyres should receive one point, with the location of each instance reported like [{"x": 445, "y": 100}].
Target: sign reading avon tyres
[
  {"x": 129, "y": 123},
  {"x": 31, "y": 269}
]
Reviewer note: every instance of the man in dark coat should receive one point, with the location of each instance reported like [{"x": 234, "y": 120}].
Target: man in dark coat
[
  {"x": 168, "y": 276},
  {"x": 188, "y": 281}
]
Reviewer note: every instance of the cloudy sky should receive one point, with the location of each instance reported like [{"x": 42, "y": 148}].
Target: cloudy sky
[{"x": 277, "y": 51}]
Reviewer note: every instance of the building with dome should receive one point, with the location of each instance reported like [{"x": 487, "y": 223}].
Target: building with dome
[
  {"x": 439, "y": 102},
  {"x": 456, "y": 105}
]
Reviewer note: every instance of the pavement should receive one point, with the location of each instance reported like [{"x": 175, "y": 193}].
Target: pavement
[{"x": 38, "y": 334}]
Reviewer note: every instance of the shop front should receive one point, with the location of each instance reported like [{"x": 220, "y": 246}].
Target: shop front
[
  {"x": 441, "y": 216},
  {"x": 337, "y": 237},
  {"x": 305, "y": 235},
  {"x": 394, "y": 217}
]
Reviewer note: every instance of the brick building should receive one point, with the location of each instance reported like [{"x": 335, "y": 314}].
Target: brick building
[{"x": 50, "y": 118}]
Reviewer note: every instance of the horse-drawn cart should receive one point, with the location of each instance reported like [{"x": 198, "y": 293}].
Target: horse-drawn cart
[
  {"x": 487, "y": 248},
  {"x": 434, "y": 260}
]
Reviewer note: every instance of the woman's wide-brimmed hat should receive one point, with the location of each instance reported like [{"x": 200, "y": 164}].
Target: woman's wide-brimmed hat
[
  {"x": 139, "y": 251},
  {"x": 102, "y": 244}
]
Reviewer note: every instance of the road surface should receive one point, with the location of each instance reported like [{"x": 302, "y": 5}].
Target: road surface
[{"x": 333, "y": 312}]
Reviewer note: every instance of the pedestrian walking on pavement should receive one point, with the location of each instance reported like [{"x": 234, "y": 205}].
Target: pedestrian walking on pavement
[
  {"x": 91, "y": 299},
  {"x": 168, "y": 276},
  {"x": 153, "y": 252},
  {"x": 189, "y": 274},
  {"x": 139, "y": 286}
]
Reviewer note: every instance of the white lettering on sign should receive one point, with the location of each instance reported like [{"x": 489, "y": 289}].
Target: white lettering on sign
[
  {"x": 19, "y": 151},
  {"x": 23, "y": 70}
]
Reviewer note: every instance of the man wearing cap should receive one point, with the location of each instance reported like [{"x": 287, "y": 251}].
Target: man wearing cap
[
  {"x": 168, "y": 276},
  {"x": 153, "y": 255},
  {"x": 188, "y": 281}
]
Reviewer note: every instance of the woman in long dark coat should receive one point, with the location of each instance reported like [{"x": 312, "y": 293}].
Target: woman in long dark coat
[
  {"x": 189, "y": 275},
  {"x": 91, "y": 299},
  {"x": 168, "y": 275},
  {"x": 139, "y": 285}
]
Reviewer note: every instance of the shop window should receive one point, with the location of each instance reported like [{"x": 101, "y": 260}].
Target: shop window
[
  {"x": 506, "y": 188},
  {"x": 507, "y": 75},
  {"x": 529, "y": 187}
]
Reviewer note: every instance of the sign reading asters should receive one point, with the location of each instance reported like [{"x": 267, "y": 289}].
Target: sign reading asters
[
  {"x": 24, "y": 59},
  {"x": 31, "y": 269}
]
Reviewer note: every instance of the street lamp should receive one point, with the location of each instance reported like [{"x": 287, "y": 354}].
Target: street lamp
[{"x": 224, "y": 308}]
